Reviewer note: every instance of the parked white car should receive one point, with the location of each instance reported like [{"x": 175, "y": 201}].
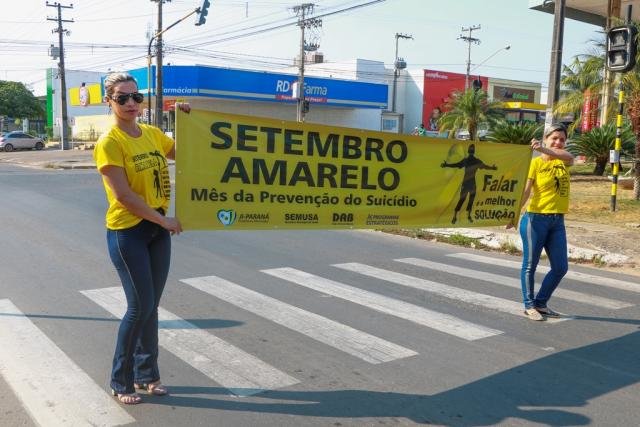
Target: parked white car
[
  {"x": 20, "y": 141},
  {"x": 464, "y": 134}
]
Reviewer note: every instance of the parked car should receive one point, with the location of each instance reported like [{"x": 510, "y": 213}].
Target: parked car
[
  {"x": 482, "y": 134},
  {"x": 20, "y": 141}
]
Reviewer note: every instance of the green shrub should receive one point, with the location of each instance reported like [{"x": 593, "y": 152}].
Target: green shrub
[
  {"x": 515, "y": 133},
  {"x": 596, "y": 144}
]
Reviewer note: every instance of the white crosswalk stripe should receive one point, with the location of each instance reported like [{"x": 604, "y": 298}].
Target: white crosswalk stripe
[
  {"x": 515, "y": 283},
  {"x": 575, "y": 275},
  {"x": 241, "y": 373},
  {"x": 54, "y": 390},
  {"x": 471, "y": 297},
  {"x": 432, "y": 319},
  {"x": 352, "y": 341}
]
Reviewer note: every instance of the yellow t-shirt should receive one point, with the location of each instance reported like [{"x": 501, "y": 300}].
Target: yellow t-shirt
[
  {"x": 550, "y": 186},
  {"x": 145, "y": 164}
]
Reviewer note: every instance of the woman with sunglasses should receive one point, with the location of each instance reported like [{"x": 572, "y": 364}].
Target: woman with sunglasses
[{"x": 132, "y": 159}]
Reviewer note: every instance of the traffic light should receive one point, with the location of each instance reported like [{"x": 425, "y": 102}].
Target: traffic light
[
  {"x": 204, "y": 10},
  {"x": 621, "y": 48},
  {"x": 477, "y": 84},
  {"x": 305, "y": 106}
]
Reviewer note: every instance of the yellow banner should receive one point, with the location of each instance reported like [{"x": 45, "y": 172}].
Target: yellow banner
[{"x": 241, "y": 172}]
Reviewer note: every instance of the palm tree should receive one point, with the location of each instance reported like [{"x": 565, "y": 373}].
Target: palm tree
[
  {"x": 467, "y": 110},
  {"x": 598, "y": 142},
  {"x": 586, "y": 74},
  {"x": 580, "y": 80},
  {"x": 515, "y": 133}
]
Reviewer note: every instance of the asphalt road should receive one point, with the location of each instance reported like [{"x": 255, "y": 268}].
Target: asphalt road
[{"x": 317, "y": 328}]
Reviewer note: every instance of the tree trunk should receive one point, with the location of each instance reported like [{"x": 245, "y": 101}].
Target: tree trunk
[
  {"x": 601, "y": 165},
  {"x": 473, "y": 130}
]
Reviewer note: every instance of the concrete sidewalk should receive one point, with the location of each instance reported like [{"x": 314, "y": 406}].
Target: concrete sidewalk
[
  {"x": 501, "y": 238},
  {"x": 52, "y": 157},
  {"x": 494, "y": 237}
]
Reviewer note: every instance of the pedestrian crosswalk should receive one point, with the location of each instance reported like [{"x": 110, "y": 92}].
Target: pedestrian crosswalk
[
  {"x": 422, "y": 316},
  {"x": 514, "y": 282},
  {"x": 37, "y": 369},
  {"x": 238, "y": 371},
  {"x": 576, "y": 275},
  {"x": 357, "y": 343},
  {"x": 471, "y": 297},
  {"x": 53, "y": 389}
]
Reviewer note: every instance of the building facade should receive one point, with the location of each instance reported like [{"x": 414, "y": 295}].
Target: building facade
[
  {"x": 338, "y": 102},
  {"x": 359, "y": 98}
]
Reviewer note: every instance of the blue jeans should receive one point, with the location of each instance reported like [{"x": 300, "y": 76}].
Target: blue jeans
[
  {"x": 540, "y": 231},
  {"x": 141, "y": 255}
]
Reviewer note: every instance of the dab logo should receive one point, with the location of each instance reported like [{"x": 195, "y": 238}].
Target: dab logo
[
  {"x": 345, "y": 218},
  {"x": 226, "y": 217}
]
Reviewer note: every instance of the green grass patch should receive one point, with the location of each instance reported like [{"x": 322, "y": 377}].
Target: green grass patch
[
  {"x": 461, "y": 240},
  {"x": 453, "y": 239},
  {"x": 582, "y": 169},
  {"x": 510, "y": 248},
  {"x": 586, "y": 169}
]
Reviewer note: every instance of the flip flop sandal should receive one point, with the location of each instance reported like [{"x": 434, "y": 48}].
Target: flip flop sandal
[
  {"x": 127, "y": 399},
  {"x": 155, "y": 388}
]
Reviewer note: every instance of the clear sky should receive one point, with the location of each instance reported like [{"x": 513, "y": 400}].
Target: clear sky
[{"x": 112, "y": 35}]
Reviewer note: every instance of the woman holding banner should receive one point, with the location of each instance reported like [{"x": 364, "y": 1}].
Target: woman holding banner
[
  {"x": 132, "y": 159},
  {"x": 542, "y": 225}
]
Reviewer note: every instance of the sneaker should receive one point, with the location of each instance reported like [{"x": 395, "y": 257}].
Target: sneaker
[
  {"x": 533, "y": 314},
  {"x": 546, "y": 311}
]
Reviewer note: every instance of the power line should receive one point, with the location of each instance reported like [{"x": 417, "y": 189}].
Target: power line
[{"x": 260, "y": 30}]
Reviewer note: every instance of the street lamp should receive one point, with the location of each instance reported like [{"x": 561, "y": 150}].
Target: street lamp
[
  {"x": 492, "y": 55},
  {"x": 202, "y": 12},
  {"x": 398, "y": 64}
]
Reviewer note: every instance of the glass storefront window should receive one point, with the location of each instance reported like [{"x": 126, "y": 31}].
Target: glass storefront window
[
  {"x": 512, "y": 116},
  {"x": 529, "y": 117}
]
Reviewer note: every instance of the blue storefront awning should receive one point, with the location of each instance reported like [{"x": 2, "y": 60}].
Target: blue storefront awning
[{"x": 201, "y": 81}]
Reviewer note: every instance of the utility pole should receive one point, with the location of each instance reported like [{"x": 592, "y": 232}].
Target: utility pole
[
  {"x": 203, "y": 11},
  {"x": 159, "y": 89},
  {"x": 64, "y": 137},
  {"x": 556, "y": 61},
  {"x": 398, "y": 64},
  {"x": 469, "y": 40},
  {"x": 303, "y": 22}
]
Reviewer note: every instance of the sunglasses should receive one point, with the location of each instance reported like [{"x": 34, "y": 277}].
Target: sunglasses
[{"x": 122, "y": 99}]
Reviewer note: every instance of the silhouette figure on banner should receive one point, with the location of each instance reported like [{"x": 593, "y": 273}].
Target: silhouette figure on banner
[
  {"x": 161, "y": 181},
  {"x": 471, "y": 164}
]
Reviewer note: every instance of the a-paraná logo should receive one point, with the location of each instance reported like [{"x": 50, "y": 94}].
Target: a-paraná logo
[{"x": 226, "y": 217}]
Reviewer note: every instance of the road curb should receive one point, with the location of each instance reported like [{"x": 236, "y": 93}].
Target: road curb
[
  {"x": 67, "y": 166},
  {"x": 497, "y": 240}
]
